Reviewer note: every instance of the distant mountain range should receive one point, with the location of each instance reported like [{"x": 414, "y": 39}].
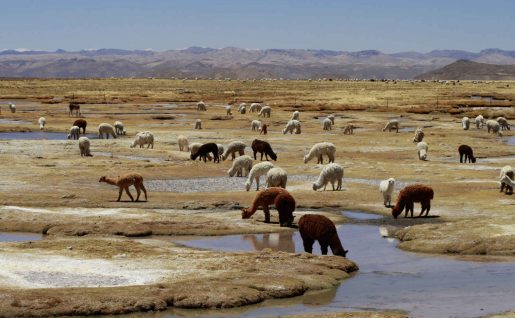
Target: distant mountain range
[
  {"x": 468, "y": 70},
  {"x": 237, "y": 63}
]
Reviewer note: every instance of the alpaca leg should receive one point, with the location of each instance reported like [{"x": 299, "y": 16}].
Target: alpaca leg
[
  {"x": 120, "y": 194},
  {"x": 423, "y": 208},
  {"x": 266, "y": 210},
  {"x": 461, "y": 156},
  {"x": 129, "y": 193},
  {"x": 241, "y": 152},
  {"x": 257, "y": 183},
  {"x": 255, "y": 155},
  {"x": 339, "y": 185},
  {"x": 323, "y": 247},
  {"x": 144, "y": 190},
  {"x": 308, "y": 245},
  {"x": 428, "y": 207},
  {"x": 332, "y": 184},
  {"x": 138, "y": 192}
]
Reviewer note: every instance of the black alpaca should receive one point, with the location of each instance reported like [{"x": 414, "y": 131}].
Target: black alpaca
[
  {"x": 204, "y": 150},
  {"x": 466, "y": 151},
  {"x": 264, "y": 148}
]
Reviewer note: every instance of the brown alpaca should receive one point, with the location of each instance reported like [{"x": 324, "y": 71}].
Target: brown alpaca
[
  {"x": 74, "y": 107},
  {"x": 263, "y": 147},
  {"x": 282, "y": 199},
  {"x": 81, "y": 123},
  {"x": 411, "y": 194},
  {"x": 263, "y": 130},
  {"x": 313, "y": 227},
  {"x": 124, "y": 182}
]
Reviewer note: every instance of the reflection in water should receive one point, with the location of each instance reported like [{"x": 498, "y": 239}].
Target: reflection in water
[{"x": 276, "y": 241}]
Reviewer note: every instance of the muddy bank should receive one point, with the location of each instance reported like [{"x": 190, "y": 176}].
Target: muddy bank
[{"x": 172, "y": 275}]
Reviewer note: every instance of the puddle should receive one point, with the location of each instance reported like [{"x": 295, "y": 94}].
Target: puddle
[
  {"x": 510, "y": 140},
  {"x": 14, "y": 122},
  {"x": 213, "y": 184},
  {"x": 19, "y": 237},
  {"x": 362, "y": 216},
  {"x": 388, "y": 279},
  {"x": 39, "y": 135}
]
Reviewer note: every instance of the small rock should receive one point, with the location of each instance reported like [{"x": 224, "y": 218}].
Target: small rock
[{"x": 68, "y": 196}]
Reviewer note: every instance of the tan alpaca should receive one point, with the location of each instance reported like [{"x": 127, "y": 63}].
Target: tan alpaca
[
  {"x": 124, "y": 182},
  {"x": 283, "y": 201}
]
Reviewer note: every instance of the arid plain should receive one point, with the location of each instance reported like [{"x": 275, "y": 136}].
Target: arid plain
[{"x": 46, "y": 187}]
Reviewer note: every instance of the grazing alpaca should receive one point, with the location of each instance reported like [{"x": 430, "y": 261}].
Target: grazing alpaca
[
  {"x": 295, "y": 115},
  {"x": 255, "y": 125},
  {"x": 466, "y": 151},
  {"x": 283, "y": 201},
  {"x": 508, "y": 182},
  {"x": 419, "y": 135},
  {"x": 327, "y": 124},
  {"x": 201, "y": 106},
  {"x": 506, "y": 186},
  {"x": 503, "y": 123},
  {"x": 392, "y": 124},
  {"x": 465, "y": 122},
  {"x": 228, "y": 110},
  {"x": 263, "y": 130},
  {"x": 386, "y": 188},
  {"x": 124, "y": 182},
  {"x": 332, "y": 172},
  {"x": 106, "y": 129},
  {"x": 265, "y": 111},
  {"x": 233, "y": 148},
  {"x": 198, "y": 124},
  {"x": 422, "y": 148},
  {"x": 348, "y": 129},
  {"x": 255, "y": 107},
  {"x": 74, "y": 133},
  {"x": 313, "y": 227},
  {"x": 480, "y": 121},
  {"x": 143, "y": 138},
  {"x": 81, "y": 123},
  {"x": 292, "y": 126},
  {"x": 183, "y": 143},
  {"x": 74, "y": 107},
  {"x": 276, "y": 177},
  {"x": 12, "y": 108},
  {"x": 494, "y": 126},
  {"x": 241, "y": 166},
  {"x": 42, "y": 123},
  {"x": 118, "y": 126},
  {"x": 84, "y": 147},
  {"x": 411, "y": 194},
  {"x": 263, "y": 147},
  {"x": 204, "y": 150},
  {"x": 320, "y": 149},
  {"x": 242, "y": 109},
  {"x": 256, "y": 172}
]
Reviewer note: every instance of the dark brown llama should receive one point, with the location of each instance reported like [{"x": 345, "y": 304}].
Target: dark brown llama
[
  {"x": 314, "y": 227},
  {"x": 263, "y": 147}
]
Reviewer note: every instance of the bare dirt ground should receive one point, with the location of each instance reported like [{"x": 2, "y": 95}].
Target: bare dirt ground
[{"x": 47, "y": 187}]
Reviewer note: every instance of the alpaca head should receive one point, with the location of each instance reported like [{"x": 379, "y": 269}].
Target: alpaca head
[
  {"x": 69, "y": 136},
  {"x": 286, "y": 223},
  {"x": 343, "y": 253},
  {"x": 396, "y": 212},
  {"x": 391, "y": 181},
  {"x": 473, "y": 159},
  {"x": 306, "y": 159},
  {"x": 273, "y": 155},
  {"x": 231, "y": 172},
  {"x": 247, "y": 185},
  {"x": 245, "y": 213},
  {"x": 102, "y": 179},
  {"x": 315, "y": 186}
]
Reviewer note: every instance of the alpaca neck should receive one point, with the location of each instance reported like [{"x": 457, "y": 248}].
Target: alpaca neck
[
  {"x": 399, "y": 206},
  {"x": 255, "y": 204},
  {"x": 111, "y": 181},
  {"x": 336, "y": 245}
]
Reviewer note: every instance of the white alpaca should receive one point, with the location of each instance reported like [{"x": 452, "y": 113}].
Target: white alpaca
[
  {"x": 422, "y": 148},
  {"x": 391, "y": 125},
  {"x": 228, "y": 110},
  {"x": 242, "y": 109},
  {"x": 74, "y": 133},
  {"x": 348, "y": 130},
  {"x": 295, "y": 115},
  {"x": 201, "y": 106},
  {"x": 255, "y": 125},
  {"x": 118, "y": 126},
  {"x": 232, "y": 148},
  {"x": 143, "y": 138},
  {"x": 507, "y": 181},
  {"x": 256, "y": 172},
  {"x": 198, "y": 124},
  {"x": 320, "y": 149},
  {"x": 84, "y": 147},
  {"x": 276, "y": 177},
  {"x": 42, "y": 123},
  {"x": 331, "y": 118},
  {"x": 255, "y": 107},
  {"x": 419, "y": 135},
  {"x": 12, "y": 108},
  {"x": 503, "y": 123},
  {"x": 265, "y": 111},
  {"x": 332, "y": 172},
  {"x": 506, "y": 176},
  {"x": 327, "y": 124},
  {"x": 292, "y": 126},
  {"x": 220, "y": 150},
  {"x": 183, "y": 142},
  {"x": 465, "y": 122},
  {"x": 494, "y": 126},
  {"x": 386, "y": 188},
  {"x": 241, "y": 166},
  {"x": 106, "y": 129},
  {"x": 480, "y": 121}
]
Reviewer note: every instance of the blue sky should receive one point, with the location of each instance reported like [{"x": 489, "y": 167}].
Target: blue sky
[{"x": 385, "y": 25}]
